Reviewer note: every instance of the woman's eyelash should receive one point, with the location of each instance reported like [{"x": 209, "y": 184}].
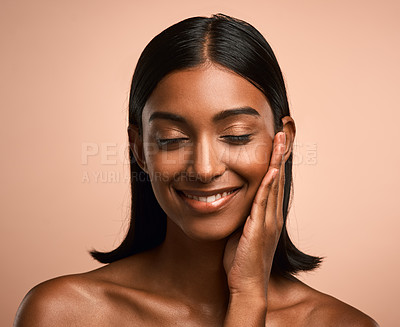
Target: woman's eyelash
[
  {"x": 238, "y": 138},
  {"x": 233, "y": 138},
  {"x": 169, "y": 141}
]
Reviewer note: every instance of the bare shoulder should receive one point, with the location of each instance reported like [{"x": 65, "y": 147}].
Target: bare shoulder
[
  {"x": 296, "y": 304},
  {"x": 59, "y": 302},
  {"x": 113, "y": 295},
  {"x": 326, "y": 310}
]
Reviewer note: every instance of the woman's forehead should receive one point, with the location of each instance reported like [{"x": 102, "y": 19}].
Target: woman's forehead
[{"x": 206, "y": 90}]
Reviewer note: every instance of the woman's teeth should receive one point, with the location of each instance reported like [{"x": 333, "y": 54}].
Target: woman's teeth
[{"x": 208, "y": 199}]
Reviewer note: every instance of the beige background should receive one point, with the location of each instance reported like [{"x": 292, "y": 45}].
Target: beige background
[{"x": 65, "y": 74}]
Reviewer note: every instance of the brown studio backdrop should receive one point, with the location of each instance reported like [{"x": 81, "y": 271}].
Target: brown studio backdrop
[{"x": 66, "y": 68}]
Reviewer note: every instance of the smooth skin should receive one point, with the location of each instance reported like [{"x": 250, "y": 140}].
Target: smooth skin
[{"x": 212, "y": 269}]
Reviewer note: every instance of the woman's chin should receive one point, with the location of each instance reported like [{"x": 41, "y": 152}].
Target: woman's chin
[{"x": 210, "y": 231}]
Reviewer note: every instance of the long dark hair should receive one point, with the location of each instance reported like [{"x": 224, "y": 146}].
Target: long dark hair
[{"x": 238, "y": 46}]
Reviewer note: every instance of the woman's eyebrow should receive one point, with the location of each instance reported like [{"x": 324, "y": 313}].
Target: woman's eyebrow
[
  {"x": 235, "y": 111},
  {"x": 218, "y": 117}
]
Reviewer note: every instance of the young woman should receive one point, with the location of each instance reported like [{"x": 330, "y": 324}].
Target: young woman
[{"x": 211, "y": 142}]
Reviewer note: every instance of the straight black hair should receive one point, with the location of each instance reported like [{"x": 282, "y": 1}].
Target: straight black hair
[{"x": 239, "y": 47}]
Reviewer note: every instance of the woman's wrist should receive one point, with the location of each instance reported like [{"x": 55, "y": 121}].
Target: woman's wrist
[
  {"x": 246, "y": 309},
  {"x": 259, "y": 300}
]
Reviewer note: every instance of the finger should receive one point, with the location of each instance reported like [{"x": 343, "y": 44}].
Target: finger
[
  {"x": 281, "y": 193},
  {"x": 278, "y": 151},
  {"x": 275, "y": 196},
  {"x": 260, "y": 201}
]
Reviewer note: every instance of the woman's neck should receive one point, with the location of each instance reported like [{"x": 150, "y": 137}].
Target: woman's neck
[{"x": 192, "y": 269}]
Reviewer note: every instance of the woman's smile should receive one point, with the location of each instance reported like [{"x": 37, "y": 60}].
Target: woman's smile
[{"x": 208, "y": 201}]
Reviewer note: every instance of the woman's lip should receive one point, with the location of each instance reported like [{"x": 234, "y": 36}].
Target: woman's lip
[
  {"x": 208, "y": 193},
  {"x": 207, "y": 207}
]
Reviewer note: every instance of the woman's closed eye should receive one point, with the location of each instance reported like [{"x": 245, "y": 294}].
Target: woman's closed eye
[
  {"x": 166, "y": 141},
  {"x": 238, "y": 139},
  {"x": 233, "y": 139}
]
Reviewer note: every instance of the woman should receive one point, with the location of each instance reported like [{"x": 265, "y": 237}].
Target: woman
[{"x": 211, "y": 142}]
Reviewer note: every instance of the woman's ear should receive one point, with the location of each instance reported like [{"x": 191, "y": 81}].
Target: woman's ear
[
  {"x": 289, "y": 128},
  {"x": 136, "y": 145}
]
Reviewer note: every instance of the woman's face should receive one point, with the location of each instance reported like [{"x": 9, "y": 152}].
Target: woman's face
[{"x": 206, "y": 132}]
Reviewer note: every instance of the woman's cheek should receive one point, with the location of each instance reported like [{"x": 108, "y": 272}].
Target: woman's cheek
[
  {"x": 167, "y": 163},
  {"x": 254, "y": 157},
  {"x": 251, "y": 162}
]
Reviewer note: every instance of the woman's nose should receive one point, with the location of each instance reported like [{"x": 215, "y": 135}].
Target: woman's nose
[{"x": 205, "y": 163}]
